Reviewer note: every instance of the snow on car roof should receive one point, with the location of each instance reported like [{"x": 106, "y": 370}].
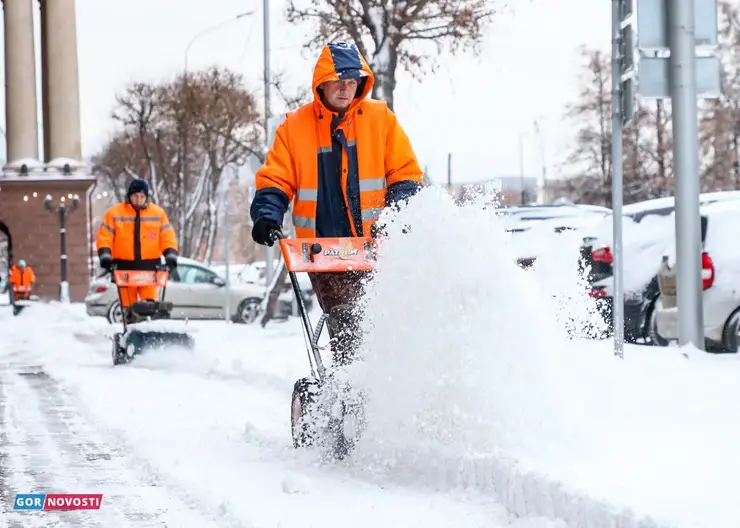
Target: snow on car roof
[{"x": 669, "y": 201}]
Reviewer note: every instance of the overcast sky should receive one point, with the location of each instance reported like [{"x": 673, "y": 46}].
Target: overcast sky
[{"x": 475, "y": 108}]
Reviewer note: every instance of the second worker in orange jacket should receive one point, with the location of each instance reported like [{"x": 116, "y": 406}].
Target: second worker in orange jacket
[{"x": 134, "y": 235}]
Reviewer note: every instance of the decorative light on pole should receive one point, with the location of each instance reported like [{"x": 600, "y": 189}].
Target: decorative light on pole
[{"x": 62, "y": 210}]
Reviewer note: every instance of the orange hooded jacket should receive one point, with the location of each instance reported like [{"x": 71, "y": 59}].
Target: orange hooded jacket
[
  {"x": 24, "y": 278},
  {"x": 341, "y": 170},
  {"x": 136, "y": 239}
]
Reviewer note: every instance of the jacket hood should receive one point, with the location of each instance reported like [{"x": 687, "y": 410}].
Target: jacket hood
[{"x": 339, "y": 61}]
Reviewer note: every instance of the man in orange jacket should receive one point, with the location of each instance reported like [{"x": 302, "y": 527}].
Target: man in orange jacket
[
  {"x": 133, "y": 236},
  {"x": 21, "y": 276},
  {"x": 341, "y": 158}
]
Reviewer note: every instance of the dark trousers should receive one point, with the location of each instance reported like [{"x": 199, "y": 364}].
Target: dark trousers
[{"x": 337, "y": 294}]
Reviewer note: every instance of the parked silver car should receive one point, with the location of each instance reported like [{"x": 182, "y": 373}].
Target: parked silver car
[{"x": 196, "y": 293}]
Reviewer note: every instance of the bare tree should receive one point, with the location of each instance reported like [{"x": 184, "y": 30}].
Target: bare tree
[
  {"x": 646, "y": 141},
  {"x": 215, "y": 114},
  {"x": 389, "y": 32},
  {"x": 227, "y": 130},
  {"x": 719, "y": 128},
  {"x": 592, "y": 114}
]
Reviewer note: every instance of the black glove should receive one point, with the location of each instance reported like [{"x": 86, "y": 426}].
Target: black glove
[
  {"x": 170, "y": 259},
  {"x": 106, "y": 260},
  {"x": 262, "y": 230}
]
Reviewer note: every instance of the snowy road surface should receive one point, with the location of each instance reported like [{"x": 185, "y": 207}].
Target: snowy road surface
[{"x": 181, "y": 441}]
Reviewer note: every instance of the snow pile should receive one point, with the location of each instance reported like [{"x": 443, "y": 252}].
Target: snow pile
[{"x": 463, "y": 356}]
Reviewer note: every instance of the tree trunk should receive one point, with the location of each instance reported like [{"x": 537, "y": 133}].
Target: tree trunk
[
  {"x": 384, "y": 64},
  {"x": 275, "y": 289},
  {"x": 660, "y": 135}
]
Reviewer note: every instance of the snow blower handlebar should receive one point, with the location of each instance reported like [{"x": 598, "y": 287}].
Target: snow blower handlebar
[{"x": 278, "y": 236}]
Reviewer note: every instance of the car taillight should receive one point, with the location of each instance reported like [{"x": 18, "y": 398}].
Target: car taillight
[
  {"x": 599, "y": 292},
  {"x": 603, "y": 254},
  {"x": 100, "y": 289},
  {"x": 707, "y": 271}
]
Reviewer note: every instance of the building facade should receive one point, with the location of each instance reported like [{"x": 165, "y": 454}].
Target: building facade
[{"x": 31, "y": 226}]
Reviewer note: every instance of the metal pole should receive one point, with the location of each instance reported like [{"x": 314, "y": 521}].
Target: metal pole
[
  {"x": 269, "y": 252},
  {"x": 522, "y": 195},
  {"x": 227, "y": 248},
  {"x": 543, "y": 160},
  {"x": 686, "y": 166},
  {"x": 617, "y": 191},
  {"x": 449, "y": 171},
  {"x": 63, "y": 284}
]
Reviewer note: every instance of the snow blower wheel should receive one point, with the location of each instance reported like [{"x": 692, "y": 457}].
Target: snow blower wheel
[
  {"x": 305, "y": 395},
  {"x": 118, "y": 352}
]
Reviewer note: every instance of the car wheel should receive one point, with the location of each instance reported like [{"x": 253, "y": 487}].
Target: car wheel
[
  {"x": 652, "y": 337},
  {"x": 114, "y": 315},
  {"x": 731, "y": 337},
  {"x": 249, "y": 310}
]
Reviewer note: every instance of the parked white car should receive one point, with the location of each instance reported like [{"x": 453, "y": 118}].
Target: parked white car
[
  {"x": 720, "y": 280},
  {"x": 197, "y": 292}
]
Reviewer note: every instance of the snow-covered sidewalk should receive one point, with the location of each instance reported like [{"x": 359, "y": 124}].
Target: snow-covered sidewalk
[{"x": 186, "y": 440}]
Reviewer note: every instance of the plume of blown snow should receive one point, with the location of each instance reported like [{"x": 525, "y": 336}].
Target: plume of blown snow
[
  {"x": 463, "y": 352},
  {"x": 558, "y": 272}
]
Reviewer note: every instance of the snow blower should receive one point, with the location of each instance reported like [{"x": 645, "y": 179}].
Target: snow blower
[
  {"x": 320, "y": 403},
  {"x": 145, "y": 323},
  {"x": 21, "y": 297}
]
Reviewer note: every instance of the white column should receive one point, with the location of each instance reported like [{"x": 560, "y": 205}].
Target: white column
[
  {"x": 21, "y": 117},
  {"x": 62, "y": 137}
]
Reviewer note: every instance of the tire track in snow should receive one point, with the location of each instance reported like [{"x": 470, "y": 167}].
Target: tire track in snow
[
  {"x": 56, "y": 448},
  {"x": 29, "y": 451}
]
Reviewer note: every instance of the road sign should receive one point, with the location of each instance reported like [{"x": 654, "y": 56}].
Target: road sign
[
  {"x": 655, "y": 77},
  {"x": 652, "y": 23}
]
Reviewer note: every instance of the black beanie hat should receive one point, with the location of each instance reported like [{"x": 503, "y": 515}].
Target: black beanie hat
[{"x": 138, "y": 186}]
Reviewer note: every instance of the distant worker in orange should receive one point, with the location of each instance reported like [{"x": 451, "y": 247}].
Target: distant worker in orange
[
  {"x": 134, "y": 235},
  {"x": 21, "y": 276}
]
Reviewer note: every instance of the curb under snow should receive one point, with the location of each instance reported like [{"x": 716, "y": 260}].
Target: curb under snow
[{"x": 523, "y": 493}]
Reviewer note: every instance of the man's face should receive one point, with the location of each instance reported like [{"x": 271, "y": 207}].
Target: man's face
[
  {"x": 339, "y": 94},
  {"x": 138, "y": 199}
]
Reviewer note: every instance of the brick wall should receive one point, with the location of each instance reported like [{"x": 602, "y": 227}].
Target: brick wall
[{"x": 36, "y": 237}]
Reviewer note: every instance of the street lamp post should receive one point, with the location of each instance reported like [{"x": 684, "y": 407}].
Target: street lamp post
[
  {"x": 62, "y": 210},
  {"x": 269, "y": 250},
  {"x": 227, "y": 249}
]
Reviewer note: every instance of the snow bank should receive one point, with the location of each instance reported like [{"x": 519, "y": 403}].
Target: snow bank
[{"x": 472, "y": 382}]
